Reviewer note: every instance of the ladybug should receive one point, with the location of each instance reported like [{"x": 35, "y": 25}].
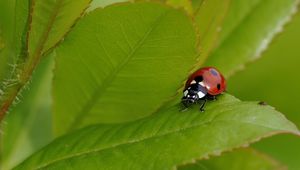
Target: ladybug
[{"x": 204, "y": 84}]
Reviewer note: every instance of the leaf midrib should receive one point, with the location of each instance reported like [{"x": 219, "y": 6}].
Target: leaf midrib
[
  {"x": 159, "y": 136},
  {"x": 110, "y": 78}
]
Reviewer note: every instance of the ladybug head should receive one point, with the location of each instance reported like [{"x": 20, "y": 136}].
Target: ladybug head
[{"x": 193, "y": 93}]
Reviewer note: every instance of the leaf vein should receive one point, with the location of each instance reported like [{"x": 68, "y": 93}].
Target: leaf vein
[
  {"x": 149, "y": 137},
  {"x": 109, "y": 79}
]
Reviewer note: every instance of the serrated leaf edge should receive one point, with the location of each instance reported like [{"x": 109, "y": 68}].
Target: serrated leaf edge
[{"x": 242, "y": 145}]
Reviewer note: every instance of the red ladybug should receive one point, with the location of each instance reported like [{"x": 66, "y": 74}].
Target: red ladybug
[{"x": 205, "y": 83}]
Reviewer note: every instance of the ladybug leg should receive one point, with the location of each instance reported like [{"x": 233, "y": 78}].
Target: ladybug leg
[
  {"x": 202, "y": 106},
  {"x": 210, "y": 97},
  {"x": 214, "y": 98},
  {"x": 185, "y": 105},
  {"x": 183, "y": 108}
]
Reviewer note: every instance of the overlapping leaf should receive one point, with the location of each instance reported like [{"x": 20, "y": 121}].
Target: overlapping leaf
[
  {"x": 169, "y": 136},
  {"x": 51, "y": 20},
  {"x": 121, "y": 63},
  {"x": 262, "y": 77},
  {"x": 247, "y": 31},
  {"x": 209, "y": 16},
  {"x": 95, "y": 83},
  {"x": 48, "y": 22}
]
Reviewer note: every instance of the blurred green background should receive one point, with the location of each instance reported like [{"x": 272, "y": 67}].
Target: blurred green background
[{"x": 275, "y": 79}]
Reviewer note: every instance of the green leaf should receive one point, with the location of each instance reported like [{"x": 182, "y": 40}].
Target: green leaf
[
  {"x": 121, "y": 63},
  {"x": 169, "y": 136},
  {"x": 1, "y": 42},
  {"x": 28, "y": 124},
  {"x": 262, "y": 77},
  {"x": 51, "y": 20},
  {"x": 13, "y": 26},
  {"x": 196, "y": 3},
  {"x": 209, "y": 16},
  {"x": 247, "y": 31},
  {"x": 242, "y": 159},
  {"x": 288, "y": 155}
]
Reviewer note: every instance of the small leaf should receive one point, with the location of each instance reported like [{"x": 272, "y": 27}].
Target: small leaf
[
  {"x": 209, "y": 15},
  {"x": 169, "y": 136},
  {"x": 51, "y": 20},
  {"x": 28, "y": 126},
  {"x": 13, "y": 24},
  {"x": 248, "y": 29},
  {"x": 121, "y": 63},
  {"x": 242, "y": 159}
]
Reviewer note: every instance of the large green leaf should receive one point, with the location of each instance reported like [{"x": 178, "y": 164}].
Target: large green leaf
[
  {"x": 243, "y": 159},
  {"x": 13, "y": 27},
  {"x": 28, "y": 126},
  {"x": 121, "y": 63},
  {"x": 247, "y": 31},
  {"x": 164, "y": 139}
]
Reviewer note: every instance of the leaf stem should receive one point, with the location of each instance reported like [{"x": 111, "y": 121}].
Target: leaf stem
[{"x": 24, "y": 74}]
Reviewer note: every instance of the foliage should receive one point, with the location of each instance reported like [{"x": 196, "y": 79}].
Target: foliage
[
  {"x": 157, "y": 136},
  {"x": 125, "y": 63},
  {"x": 260, "y": 81},
  {"x": 131, "y": 69}
]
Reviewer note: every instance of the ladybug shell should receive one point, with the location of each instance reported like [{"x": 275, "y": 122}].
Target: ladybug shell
[{"x": 213, "y": 80}]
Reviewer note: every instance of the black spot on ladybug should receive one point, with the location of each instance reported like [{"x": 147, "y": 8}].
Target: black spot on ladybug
[
  {"x": 198, "y": 78},
  {"x": 219, "y": 86},
  {"x": 214, "y": 72},
  {"x": 262, "y": 103}
]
